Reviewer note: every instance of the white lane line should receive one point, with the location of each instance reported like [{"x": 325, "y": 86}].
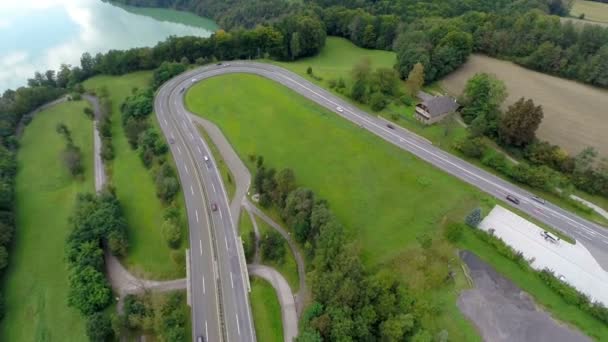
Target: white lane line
[
  {"x": 191, "y": 136},
  {"x": 184, "y": 124},
  {"x": 165, "y": 120},
  {"x": 238, "y": 326},
  {"x": 204, "y": 285},
  {"x": 213, "y": 186},
  {"x": 221, "y": 214},
  {"x": 192, "y": 191},
  {"x": 206, "y": 329},
  {"x": 231, "y": 281},
  {"x": 172, "y": 136},
  {"x": 200, "y": 245},
  {"x": 199, "y": 149},
  {"x": 178, "y": 150},
  {"x": 226, "y": 241},
  {"x": 196, "y": 212}
]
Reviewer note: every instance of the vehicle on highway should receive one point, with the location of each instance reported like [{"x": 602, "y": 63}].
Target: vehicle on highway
[
  {"x": 539, "y": 200},
  {"x": 213, "y": 207},
  {"x": 549, "y": 237},
  {"x": 390, "y": 126},
  {"x": 193, "y": 80},
  {"x": 205, "y": 158},
  {"x": 182, "y": 91},
  {"x": 218, "y": 63},
  {"x": 512, "y": 199},
  {"x": 171, "y": 141},
  {"x": 200, "y": 338},
  {"x": 340, "y": 109}
]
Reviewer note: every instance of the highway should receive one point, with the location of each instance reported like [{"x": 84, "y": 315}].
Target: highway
[{"x": 213, "y": 241}]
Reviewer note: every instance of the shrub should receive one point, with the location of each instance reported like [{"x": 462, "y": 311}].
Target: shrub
[
  {"x": 99, "y": 327},
  {"x": 378, "y": 101},
  {"x": 474, "y": 218},
  {"x": 273, "y": 247},
  {"x": 88, "y": 112},
  {"x": 453, "y": 232},
  {"x": 172, "y": 233}
]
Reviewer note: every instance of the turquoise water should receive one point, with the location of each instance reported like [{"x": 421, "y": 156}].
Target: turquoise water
[{"x": 37, "y": 35}]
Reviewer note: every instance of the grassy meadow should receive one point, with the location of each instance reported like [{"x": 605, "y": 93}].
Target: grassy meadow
[
  {"x": 36, "y": 282},
  {"x": 593, "y": 11},
  {"x": 266, "y": 311},
  {"x": 148, "y": 255}
]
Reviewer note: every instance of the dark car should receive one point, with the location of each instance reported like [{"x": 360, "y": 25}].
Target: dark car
[
  {"x": 513, "y": 199},
  {"x": 539, "y": 200},
  {"x": 171, "y": 141},
  {"x": 390, "y": 126},
  {"x": 219, "y": 63},
  {"x": 213, "y": 207}
]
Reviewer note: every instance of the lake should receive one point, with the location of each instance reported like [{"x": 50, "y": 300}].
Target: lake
[{"x": 37, "y": 35}]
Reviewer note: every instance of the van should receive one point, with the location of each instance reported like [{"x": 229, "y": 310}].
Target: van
[{"x": 549, "y": 237}]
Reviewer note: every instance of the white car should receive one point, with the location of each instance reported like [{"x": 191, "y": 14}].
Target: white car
[
  {"x": 340, "y": 109},
  {"x": 193, "y": 80},
  {"x": 206, "y": 158}
]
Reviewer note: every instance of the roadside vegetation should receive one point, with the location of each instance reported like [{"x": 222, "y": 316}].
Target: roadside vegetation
[
  {"x": 150, "y": 253},
  {"x": 36, "y": 283},
  {"x": 266, "y": 311}
]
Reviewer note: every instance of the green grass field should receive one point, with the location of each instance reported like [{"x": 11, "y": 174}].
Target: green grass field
[
  {"x": 266, "y": 311},
  {"x": 593, "y": 11},
  {"x": 378, "y": 191},
  {"x": 530, "y": 283},
  {"x": 148, "y": 254},
  {"x": 36, "y": 284},
  {"x": 288, "y": 268}
]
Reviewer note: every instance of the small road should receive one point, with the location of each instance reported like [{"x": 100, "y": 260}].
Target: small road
[{"x": 288, "y": 306}]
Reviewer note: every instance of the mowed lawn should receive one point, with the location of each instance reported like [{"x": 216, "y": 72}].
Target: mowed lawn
[
  {"x": 266, "y": 311},
  {"x": 36, "y": 282},
  {"x": 593, "y": 11},
  {"x": 148, "y": 254},
  {"x": 384, "y": 196},
  {"x": 575, "y": 114},
  {"x": 337, "y": 58}
]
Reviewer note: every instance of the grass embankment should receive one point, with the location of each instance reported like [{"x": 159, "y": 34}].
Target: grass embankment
[
  {"x": 384, "y": 196},
  {"x": 593, "y": 11},
  {"x": 339, "y": 56},
  {"x": 36, "y": 282},
  {"x": 148, "y": 254},
  {"x": 227, "y": 177},
  {"x": 533, "y": 285},
  {"x": 266, "y": 311}
]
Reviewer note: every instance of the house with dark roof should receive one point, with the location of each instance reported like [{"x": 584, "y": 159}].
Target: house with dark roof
[{"x": 434, "y": 108}]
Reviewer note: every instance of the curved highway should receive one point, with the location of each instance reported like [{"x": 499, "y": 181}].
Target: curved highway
[{"x": 219, "y": 284}]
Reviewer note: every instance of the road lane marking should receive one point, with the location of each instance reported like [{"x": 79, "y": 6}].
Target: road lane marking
[
  {"x": 204, "y": 291},
  {"x": 165, "y": 120},
  {"x": 221, "y": 214},
  {"x": 172, "y": 136},
  {"x": 178, "y": 150},
  {"x": 191, "y": 136},
  {"x": 192, "y": 191},
  {"x": 231, "y": 280},
  {"x": 196, "y": 212},
  {"x": 206, "y": 329},
  {"x": 213, "y": 186},
  {"x": 200, "y": 244},
  {"x": 226, "y": 241},
  {"x": 238, "y": 326},
  {"x": 199, "y": 149}
]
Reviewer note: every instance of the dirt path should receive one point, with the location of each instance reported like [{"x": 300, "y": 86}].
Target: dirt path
[{"x": 501, "y": 311}]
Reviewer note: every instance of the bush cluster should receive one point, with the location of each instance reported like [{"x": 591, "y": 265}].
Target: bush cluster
[{"x": 162, "y": 315}]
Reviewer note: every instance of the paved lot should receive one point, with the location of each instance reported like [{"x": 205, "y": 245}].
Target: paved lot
[
  {"x": 574, "y": 262},
  {"x": 503, "y": 312}
]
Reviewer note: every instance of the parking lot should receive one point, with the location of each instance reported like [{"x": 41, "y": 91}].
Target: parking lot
[{"x": 573, "y": 263}]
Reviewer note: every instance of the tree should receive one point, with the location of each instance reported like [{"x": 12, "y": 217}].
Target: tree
[
  {"x": 481, "y": 98},
  {"x": 358, "y": 91},
  {"x": 385, "y": 80},
  {"x": 89, "y": 291},
  {"x": 272, "y": 246},
  {"x": 474, "y": 218},
  {"x": 172, "y": 233},
  {"x": 362, "y": 70},
  {"x": 72, "y": 158},
  {"x": 415, "y": 80},
  {"x": 99, "y": 327},
  {"x": 3, "y": 257},
  {"x": 377, "y": 101},
  {"x": 285, "y": 183},
  {"x": 519, "y": 124}
]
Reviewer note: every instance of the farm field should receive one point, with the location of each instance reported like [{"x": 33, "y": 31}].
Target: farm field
[
  {"x": 37, "y": 278},
  {"x": 593, "y": 11},
  {"x": 575, "y": 114},
  {"x": 148, "y": 254},
  {"x": 266, "y": 311}
]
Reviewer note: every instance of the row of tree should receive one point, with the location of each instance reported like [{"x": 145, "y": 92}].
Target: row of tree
[
  {"x": 71, "y": 155},
  {"x": 162, "y": 315},
  {"x": 349, "y": 302},
  {"x": 97, "y": 221}
]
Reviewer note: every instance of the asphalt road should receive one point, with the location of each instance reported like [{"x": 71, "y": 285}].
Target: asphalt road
[{"x": 213, "y": 234}]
